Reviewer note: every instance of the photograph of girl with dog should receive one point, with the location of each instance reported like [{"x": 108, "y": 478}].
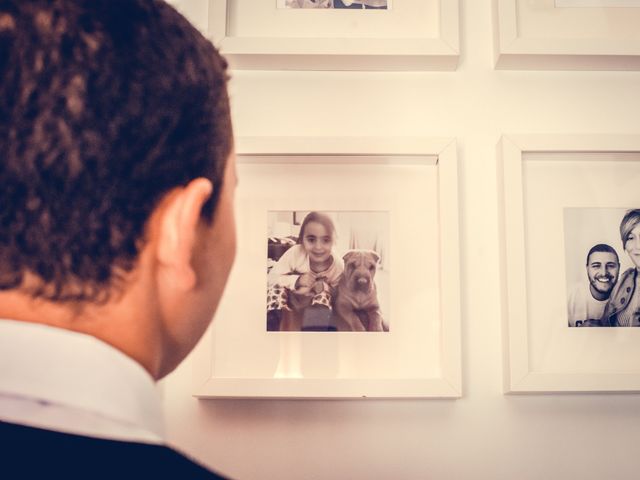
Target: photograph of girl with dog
[{"x": 327, "y": 271}]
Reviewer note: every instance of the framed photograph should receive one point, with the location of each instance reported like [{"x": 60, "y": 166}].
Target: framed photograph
[
  {"x": 346, "y": 280},
  {"x": 327, "y": 271},
  {"x": 567, "y": 35},
  {"x": 570, "y": 222},
  {"x": 336, "y": 34},
  {"x": 599, "y": 261}
]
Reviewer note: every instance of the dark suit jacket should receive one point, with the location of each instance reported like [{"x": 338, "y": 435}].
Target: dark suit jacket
[{"x": 35, "y": 453}]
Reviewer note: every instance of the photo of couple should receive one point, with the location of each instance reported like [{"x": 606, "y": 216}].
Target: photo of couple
[{"x": 608, "y": 294}]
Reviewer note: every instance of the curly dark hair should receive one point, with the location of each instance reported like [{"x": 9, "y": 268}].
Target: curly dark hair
[{"x": 105, "y": 106}]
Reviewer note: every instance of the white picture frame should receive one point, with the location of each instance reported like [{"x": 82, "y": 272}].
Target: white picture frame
[
  {"x": 597, "y": 3},
  {"x": 438, "y": 337},
  {"x": 541, "y": 36},
  {"x": 540, "y": 176},
  {"x": 353, "y": 42}
]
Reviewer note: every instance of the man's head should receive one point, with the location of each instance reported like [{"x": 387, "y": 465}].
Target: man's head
[
  {"x": 603, "y": 268},
  {"x": 114, "y": 138}
]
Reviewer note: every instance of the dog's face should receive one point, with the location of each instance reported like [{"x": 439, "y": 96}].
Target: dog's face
[{"x": 359, "y": 269}]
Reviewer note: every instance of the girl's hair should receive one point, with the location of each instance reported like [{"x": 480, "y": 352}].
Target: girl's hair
[
  {"x": 321, "y": 218},
  {"x": 628, "y": 223}
]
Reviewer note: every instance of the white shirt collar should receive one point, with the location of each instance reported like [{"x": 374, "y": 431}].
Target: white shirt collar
[{"x": 99, "y": 390}]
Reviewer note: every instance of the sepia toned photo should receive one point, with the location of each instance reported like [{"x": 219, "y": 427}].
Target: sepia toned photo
[
  {"x": 327, "y": 271},
  {"x": 337, "y": 4},
  {"x": 602, "y": 252}
]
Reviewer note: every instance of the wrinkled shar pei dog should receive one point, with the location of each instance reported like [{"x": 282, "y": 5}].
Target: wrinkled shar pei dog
[{"x": 356, "y": 304}]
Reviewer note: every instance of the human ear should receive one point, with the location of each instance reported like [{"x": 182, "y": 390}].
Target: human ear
[{"x": 177, "y": 235}]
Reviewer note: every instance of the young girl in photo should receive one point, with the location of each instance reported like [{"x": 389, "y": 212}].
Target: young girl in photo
[{"x": 301, "y": 283}]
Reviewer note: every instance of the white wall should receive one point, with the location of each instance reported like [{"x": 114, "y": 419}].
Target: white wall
[{"x": 484, "y": 435}]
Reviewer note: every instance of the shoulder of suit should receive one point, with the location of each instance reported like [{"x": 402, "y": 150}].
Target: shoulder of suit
[{"x": 69, "y": 456}]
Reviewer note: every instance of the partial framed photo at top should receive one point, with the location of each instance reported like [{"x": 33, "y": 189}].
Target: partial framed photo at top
[
  {"x": 570, "y": 218},
  {"x": 567, "y": 35},
  {"x": 346, "y": 281},
  {"x": 339, "y": 4},
  {"x": 336, "y": 34}
]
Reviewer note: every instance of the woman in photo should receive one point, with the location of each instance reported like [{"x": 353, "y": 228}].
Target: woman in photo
[
  {"x": 623, "y": 308},
  {"x": 302, "y": 281}
]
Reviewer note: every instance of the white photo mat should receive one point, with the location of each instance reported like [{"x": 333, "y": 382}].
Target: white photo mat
[
  {"x": 542, "y": 36},
  {"x": 413, "y": 35},
  {"x": 415, "y": 181},
  {"x": 541, "y": 177}
]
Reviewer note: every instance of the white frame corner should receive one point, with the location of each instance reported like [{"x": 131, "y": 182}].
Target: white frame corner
[{"x": 588, "y": 51}]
